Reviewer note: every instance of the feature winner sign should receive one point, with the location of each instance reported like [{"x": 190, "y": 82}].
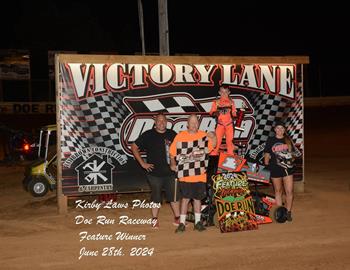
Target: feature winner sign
[
  {"x": 106, "y": 102},
  {"x": 234, "y": 204}
]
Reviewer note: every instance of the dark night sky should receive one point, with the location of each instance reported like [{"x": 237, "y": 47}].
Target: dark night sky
[{"x": 196, "y": 27}]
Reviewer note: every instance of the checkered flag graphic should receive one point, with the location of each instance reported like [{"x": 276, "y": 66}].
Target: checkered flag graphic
[
  {"x": 90, "y": 122},
  {"x": 294, "y": 120},
  {"x": 164, "y": 103},
  {"x": 187, "y": 164},
  {"x": 268, "y": 108}
]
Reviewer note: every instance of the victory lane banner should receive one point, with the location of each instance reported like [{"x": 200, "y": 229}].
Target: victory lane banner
[{"x": 105, "y": 103}]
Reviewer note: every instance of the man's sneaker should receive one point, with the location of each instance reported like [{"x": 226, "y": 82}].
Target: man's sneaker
[
  {"x": 176, "y": 221},
  {"x": 199, "y": 227},
  {"x": 289, "y": 216},
  {"x": 181, "y": 228},
  {"x": 155, "y": 223}
]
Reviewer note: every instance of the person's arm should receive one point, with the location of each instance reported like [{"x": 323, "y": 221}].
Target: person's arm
[
  {"x": 267, "y": 158},
  {"x": 136, "y": 152},
  {"x": 233, "y": 109},
  {"x": 213, "y": 112},
  {"x": 212, "y": 138},
  {"x": 172, "y": 163},
  {"x": 267, "y": 150},
  {"x": 172, "y": 153}
]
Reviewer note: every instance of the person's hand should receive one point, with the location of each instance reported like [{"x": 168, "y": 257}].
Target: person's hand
[
  {"x": 234, "y": 113},
  {"x": 212, "y": 136},
  {"x": 216, "y": 114},
  {"x": 147, "y": 166},
  {"x": 173, "y": 167}
]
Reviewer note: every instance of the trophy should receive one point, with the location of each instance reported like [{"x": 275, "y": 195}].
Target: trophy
[{"x": 239, "y": 120}]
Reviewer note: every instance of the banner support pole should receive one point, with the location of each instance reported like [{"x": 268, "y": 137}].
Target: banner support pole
[{"x": 62, "y": 201}]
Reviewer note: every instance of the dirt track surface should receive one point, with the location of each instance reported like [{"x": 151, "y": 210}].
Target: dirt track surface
[{"x": 33, "y": 236}]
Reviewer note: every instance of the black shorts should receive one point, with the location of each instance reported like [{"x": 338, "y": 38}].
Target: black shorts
[
  {"x": 197, "y": 190},
  {"x": 278, "y": 172},
  {"x": 166, "y": 183}
]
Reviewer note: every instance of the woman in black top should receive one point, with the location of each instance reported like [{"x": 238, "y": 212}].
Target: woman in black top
[{"x": 278, "y": 158}]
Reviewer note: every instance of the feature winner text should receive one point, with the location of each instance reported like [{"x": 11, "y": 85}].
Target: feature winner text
[{"x": 118, "y": 236}]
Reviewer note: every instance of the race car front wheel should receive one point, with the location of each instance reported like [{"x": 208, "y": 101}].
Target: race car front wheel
[{"x": 38, "y": 187}]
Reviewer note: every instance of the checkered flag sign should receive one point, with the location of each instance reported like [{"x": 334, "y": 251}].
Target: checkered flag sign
[
  {"x": 192, "y": 157},
  {"x": 294, "y": 120},
  {"x": 175, "y": 103},
  {"x": 94, "y": 121},
  {"x": 268, "y": 109}
]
